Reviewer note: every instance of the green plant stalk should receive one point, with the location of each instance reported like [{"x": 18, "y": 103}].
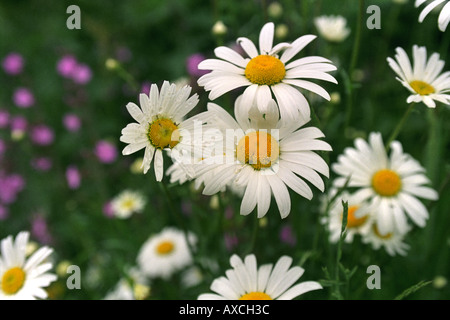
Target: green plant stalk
[
  {"x": 353, "y": 61},
  {"x": 399, "y": 126},
  {"x": 337, "y": 291}
]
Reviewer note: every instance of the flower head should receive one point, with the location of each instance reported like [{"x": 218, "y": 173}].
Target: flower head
[
  {"x": 166, "y": 253},
  {"x": 264, "y": 73},
  {"x": 23, "y": 278},
  {"x": 126, "y": 203},
  {"x": 13, "y": 63},
  {"x": 424, "y": 79},
  {"x": 389, "y": 187},
  {"x": 160, "y": 124},
  {"x": 264, "y": 156},
  {"x": 332, "y": 28},
  {"x": 23, "y": 98},
  {"x": 245, "y": 281}
]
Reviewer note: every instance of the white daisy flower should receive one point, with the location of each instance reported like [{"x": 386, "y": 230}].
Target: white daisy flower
[
  {"x": 23, "y": 278},
  {"x": 358, "y": 220},
  {"x": 390, "y": 186},
  {"x": 265, "y": 73},
  {"x": 248, "y": 282},
  {"x": 332, "y": 28},
  {"x": 264, "y": 155},
  {"x": 160, "y": 124},
  {"x": 166, "y": 253},
  {"x": 392, "y": 242},
  {"x": 424, "y": 80},
  {"x": 444, "y": 16},
  {"x": 128, "y": 202}
]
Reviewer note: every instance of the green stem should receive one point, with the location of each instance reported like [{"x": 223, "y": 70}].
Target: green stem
[
  {"x": 399, "y": 126},
  {"x": 178, "y": 218},
  {"x": 337, "y": 291},
  {"x": 251, "y": 248},
  {"x": 353, "y": 61}
]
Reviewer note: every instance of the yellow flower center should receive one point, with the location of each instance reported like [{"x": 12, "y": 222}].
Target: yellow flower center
[
  {"x": 165, "y": 247},
  {"x": 352, "y": 220},
  {"x": 379, "y": 235},
  {"x": 256, "y": 295},
  {"x": 163, "y": 133},
  {"x": 258, "y": 149},
  {"x": 13, "y": 280},
  {"x": 421, "y": 87},
  {"x": 265, "y": 70},
  {"x": 128, "y": 204},
  {"x": 386, "y": 183}
]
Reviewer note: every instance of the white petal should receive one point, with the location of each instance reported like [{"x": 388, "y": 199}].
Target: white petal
[
  {"x": 248, "y": 46},
  {"x": 159, "y": 165},
  {"x": 266, "y": 38},
  {"x": 300, "y": 289},
  {"x": 296, "y": 47},
  {"x": 281, "y": 195}
]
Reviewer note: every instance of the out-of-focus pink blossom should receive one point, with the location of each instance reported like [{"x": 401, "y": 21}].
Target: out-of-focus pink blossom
[
  {"x": 287, "y": 235},
  {"x": 42, "y": 135},
  {"x": 42, "y": 163},
  {"x": 19, "y": 123},
  {"x": 4, "y": 118},
  {"x": 73, "y": 177},
  {"x": 13, "y": 63},
  {"x": 145, "y": 87},
  {"x": 108, "y": 209},
  {"x": 231, "y": 241},
  {"x": 66, "y": 65},
  {"x": 82, "y": 74},
  {"x": 10, "y": 186},
  {"x": 72, "y": 122},
  {"x": 39, "y": 229},
  {"x": 192, "y": 65},
  {"x": 105, "y": 151},
  {"x": 23, "y": 98}
]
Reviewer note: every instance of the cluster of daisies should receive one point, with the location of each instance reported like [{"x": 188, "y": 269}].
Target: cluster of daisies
[
  {"x": 266, "y": 148},
  {"x": 171, "y": 251}
]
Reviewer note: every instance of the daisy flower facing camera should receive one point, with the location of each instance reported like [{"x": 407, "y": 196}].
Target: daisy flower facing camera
[
  {"x": 23, "y": 278},
  {"x": 424, "y": 79},
  {"x": 245, "y": 281},
  {"x": 127, "y": 202},
  {"x": 160, "y": 124},
  {"x": 263, "y": 155},
  {"x": 444, "y": 16},
  {"x": 390, "y": 185},
  {"x": 166, "y": 253},
  {"x": 332, "y": 28},
  {"x": 265, "y": 73}
]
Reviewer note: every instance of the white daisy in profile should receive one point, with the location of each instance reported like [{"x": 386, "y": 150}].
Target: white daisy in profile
[
  {"x": 424, "y": 79},
  {"x": 128, "y": 202},
  {"x": 333, "y": 28},
  {"x": 264, "y": 156},
  {"x": 391, "y": 186},
  {"x": 165, "y": 253},
  {"x": 245, "y": 281},
  {"x": 358, "y": 221},
  {"x": 392, "y": 242},
  {"x": 21, "y": 277},
  {"x": 160, "y": 124},
  {"x": 264, "y": 73},
  {"x": 444, "y": 16}
]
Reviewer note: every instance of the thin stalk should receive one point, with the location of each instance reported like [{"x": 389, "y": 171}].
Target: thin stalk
[
  {"x": 399, "y": 126},
  {"x": 353, "y": 61}
]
